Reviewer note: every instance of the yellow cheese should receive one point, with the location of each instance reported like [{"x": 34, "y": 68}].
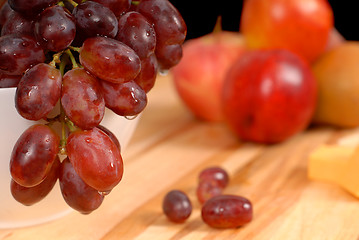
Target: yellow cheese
[
  {"x": 329, "y": 163},
  {"x": 350, "y": 180}
]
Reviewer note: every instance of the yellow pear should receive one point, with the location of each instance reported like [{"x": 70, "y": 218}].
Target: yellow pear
[{"x": 337, "y": 73}]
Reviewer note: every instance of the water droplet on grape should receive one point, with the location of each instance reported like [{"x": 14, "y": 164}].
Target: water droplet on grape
[
  {"x": 105, "y": 193},
  {"x": 131, "y": 117},
  {"x": 163, "y": 72}
]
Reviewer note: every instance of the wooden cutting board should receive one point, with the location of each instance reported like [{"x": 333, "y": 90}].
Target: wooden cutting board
[{"x": 170, "y": 148}]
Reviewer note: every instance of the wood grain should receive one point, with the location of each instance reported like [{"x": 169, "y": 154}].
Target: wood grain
[{"x": 167, "y": 152}]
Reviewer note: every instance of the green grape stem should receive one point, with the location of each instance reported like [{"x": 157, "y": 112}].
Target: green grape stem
[
  {"x": 72, "y": 58},
  {"x": 73, "y": 3}
]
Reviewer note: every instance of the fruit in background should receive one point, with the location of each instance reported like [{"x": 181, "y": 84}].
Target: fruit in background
[
  {"x": 269, "y": 95},
  {"x": 300, "y": 26},
  {"x": 338, "y": 85},
  {"x": 335, "y": 39},
  {"x": 199, "y": 76}
]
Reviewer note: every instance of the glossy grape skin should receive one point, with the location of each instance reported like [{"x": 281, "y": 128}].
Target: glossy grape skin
[
  {"x": 8, "y": 81},
  {"x": 31, "y": 195},
  {"x": 118, "y": 7},
  {"x": 208, "y": 189},
  {"x": 18, "y": 53},
  {"x": 94, "y": 19},
  {"x": 125, "y": 99},
  {"x": 216, "y": 174},
  {"x": 31, "y": 7},
  {"x": 5, "y": 12},
  {"x": 227, "y": 211},
  {"x": 170, "y": 30},
  {"x": 168, "y": 55},
  {"x": 17, "y": 23},
  {"x": 55, "y": 28},
  {"x": 96, "y": 158},
  {"x": 38, "y": 91},
  {"x": 102, "y": 57},
  {"x": 146, "y": 79},
  {"x": 33, "y": 155},
  {"x": 137, "y": 33},
  {"x": 76, "y": 193},
  {"x": 82, "y": 99},
  {"x": 177, "y": 206},
  {"x": 168, "y": 22},
  {"x": 111, "y": 135}
]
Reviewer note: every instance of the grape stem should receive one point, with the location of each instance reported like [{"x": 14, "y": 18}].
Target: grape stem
[
  {"x": 73, "y": 3},
  {"x": 72, "y": 58},
  {"x": 135, "y": 3},
  {"x": 56, "y": 59}
]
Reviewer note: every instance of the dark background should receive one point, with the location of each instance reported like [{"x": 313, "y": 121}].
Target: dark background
[{"x": 201, "y": 16}]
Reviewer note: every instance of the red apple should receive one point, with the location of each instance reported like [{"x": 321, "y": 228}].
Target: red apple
[
  {"x": 269, "y": 95},
  {"x": 302, "y": 26},
  {"x": 199, "y": 75}
]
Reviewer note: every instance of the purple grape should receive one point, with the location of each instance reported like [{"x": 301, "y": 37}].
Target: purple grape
[
  {"x": 33, "y": 155},
  {"x": 177, "y": 206},
  {"x": 77, "y": 194},
  {"x": 109, "y": 59},
  {"x": 18, "y": 53},
  {"x": 118, "y": 7},
  {"x": 137, "y": 33},
  {"x": 8, "y": 81},
  {"x": 82, "y": 99},
  {"x": 125, "y": 99},
  {"x": 147, "y": 77},
  {"x": 94, "y": 19},
  {"x": 31, "y": 195},
  {"x": 31, "y": 7},
  {"x": 227, "y": 211},
  {"x": 55, "y": 28},
  {"x": 5, "y": 12},
  {"x": 38, "y": 91},
  {"x": 17, "y": 23}
]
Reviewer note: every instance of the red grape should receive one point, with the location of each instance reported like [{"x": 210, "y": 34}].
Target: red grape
[
  {"x": 7, "y": 81},
  {"x": 38, "y": 91},
  {"x": 118, "y": 7},
  {"x": 33, "y": 155},
  {"x": 227, "y": 211},
  {"x": 208, "y": 189},
  {"x": 5, "y": 12},
  {"x": 136, "y": 32},
  {"x": 168, "y": 55},
  {"x": 216, "y": 174},
  {"x": 55, "y": 28},
  {"x": 31, "y": 7},
  {"x": 82, "y": 99},
  {"x": 94, "y": 19},
  {"x": 125, "y": 99},
  {"x": 177, "y": 206},
  {"x": 147, "y": 77},
  {"x": 17, "y": 23},
  {"x": 109, "y": 59},
  {"x": 31, "y": 195},
  {"x": 96, "y": 158},
  {"x": 110, "y": 134},
  {"x": 170, "y": 30},
  {"x": 18, "y": 53},
  {"x": 76, "y": 193}
]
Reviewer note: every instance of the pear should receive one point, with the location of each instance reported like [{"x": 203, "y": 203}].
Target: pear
[{"x": 337, "y": 73}]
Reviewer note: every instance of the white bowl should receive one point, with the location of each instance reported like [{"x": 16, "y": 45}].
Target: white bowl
[{"x": 12, "y": 213}]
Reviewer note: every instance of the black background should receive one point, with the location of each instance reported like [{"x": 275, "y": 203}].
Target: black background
[{"x": 200, "y": 16}]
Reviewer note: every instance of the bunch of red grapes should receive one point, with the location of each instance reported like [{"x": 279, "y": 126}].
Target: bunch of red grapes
[{"x": 83, "y": 56}]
